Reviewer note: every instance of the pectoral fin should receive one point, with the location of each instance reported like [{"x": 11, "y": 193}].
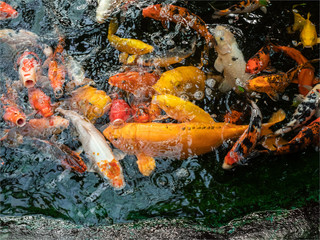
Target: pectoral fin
[
  {"x": 218, "y": 65},
  {"x": 118, "y": 154},
  {"x": 145, "y": 163}
]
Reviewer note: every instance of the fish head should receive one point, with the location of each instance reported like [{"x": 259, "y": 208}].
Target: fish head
[
  {"x": 253, "y": 66},
  {"x": 113, "y": 134},
  {"x": 6, "y": 11},
  {"x": 120, "y": 109},
  {"x": 223, "y": 39},
  {"x": 308, "y": 37},
  {"x": 112, "y": 170}
]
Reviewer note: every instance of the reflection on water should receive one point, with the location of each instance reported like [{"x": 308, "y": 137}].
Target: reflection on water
[{"x": 196, "y": 188}]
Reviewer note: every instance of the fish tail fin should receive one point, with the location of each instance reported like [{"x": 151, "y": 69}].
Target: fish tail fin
[
  {"x": 308, "y": 16},
  {"x": 112, "y": 171},
  {"x": 276, "y": 117},
  {"x": 146, "y": 164}
]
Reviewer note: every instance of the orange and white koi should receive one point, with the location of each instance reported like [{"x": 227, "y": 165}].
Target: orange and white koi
[
  {"x": 247, "y": 142},
  {"x": 275, "y": 83},
  {"x": 7, "y": 11},
  {"x": 230, "y": 59},
  {"x": 307, "y": 136},
  {"x": 29, "y": 64},
  {"x": 57, "y": 70},
  {"x": 97, "y": 149},
  {"x": 181, "y": 110},
  {"x": 305, "y": 110},
  {"x": 174, "y": 140},
  {"x": 178, "y": 15},
  {"x": 139, "y": 83},
  {"x": 40, "y": 102},
  {"x": 306, "y": 75},
  {"x": 12, "y": 113},
  {"x": 259, "y": 61},
  {"x": 186, "y": 81},
  {"x": 245, "y": 6},
  {"x": 130, "y": 46},
  {"x": 90, "y": 102}
]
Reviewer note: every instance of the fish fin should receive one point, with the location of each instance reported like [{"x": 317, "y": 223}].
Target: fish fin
[
  {"x": 79, "y": 150},
  {"x": 318, "y": 40},
  {"x": 218, "y": 65},
  {"x": 131, "y": 59},
  {"x": 118, "y": 154},
  {"x": 276, "y": 117},
  {"x": 308, "y": 16},
  {"x": 274, "y": 96},
  {"x": 263, "y": 9},
  {"x": 146, "y": 164},
  {"x": 270, "y": 69},
  {"x": 272, "y": 142}
]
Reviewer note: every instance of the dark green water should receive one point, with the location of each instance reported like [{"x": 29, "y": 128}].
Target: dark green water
[{"x": 196, "y": 188}]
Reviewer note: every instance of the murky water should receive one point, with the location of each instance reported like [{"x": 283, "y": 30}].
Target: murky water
[{"x": 196, "y": 188}]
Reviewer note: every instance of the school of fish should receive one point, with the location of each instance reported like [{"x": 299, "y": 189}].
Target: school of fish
[{"x": 155, "y": 111}]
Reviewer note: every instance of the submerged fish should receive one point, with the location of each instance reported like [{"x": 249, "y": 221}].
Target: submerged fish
[
  {"x": 12, "y": 113},
  {"x": 7, "y": 12},
  {"x": 97, "y": 149},
  {"x": 245, "y": 6},
  {"x": 230, "y": 59}
]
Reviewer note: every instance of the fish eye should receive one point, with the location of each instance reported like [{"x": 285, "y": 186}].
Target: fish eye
[{"x": 221, "y": 38}]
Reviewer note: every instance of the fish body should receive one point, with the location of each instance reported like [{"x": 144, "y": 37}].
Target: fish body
[
  {"x": 181, "y": 81},
  {"x": 246, "y": 6},
  {"x": 306, "y": 75},
  {"x": 230, "y": 59},
  {"x": 247, "y": 141},
  {"x": 40, "y": 102},
  {"x": 178, "y": 15},
  {"x": 305, "y": 110},
  {"x": 259, "y": 61},
  {"x": 97, "y": 149},
  {"x": 7, "y": 11},
  {"x": 307, "y": 136},
  {"x": 120, "y": 110},
  {"x": 29, "y": 65},
  {"x": 308, "y": 35},
  {"x": 12, "y": 113},
  {"x": 106, "y": 7},
  {"x": 181, "y": 110},
  {"x": 91, "y": 102},
  {"x": 139, "y": 83}
]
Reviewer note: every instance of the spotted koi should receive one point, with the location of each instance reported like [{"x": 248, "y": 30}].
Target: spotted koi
[
  {"x": 247, "y": 141},
  {"x": 179, "y": 15},
  {"x": 259, "y": 61},
  {"x": 40, "y": 102},
  {"x": 304, "y": 111},
  {"x": 28, "y": 64}
]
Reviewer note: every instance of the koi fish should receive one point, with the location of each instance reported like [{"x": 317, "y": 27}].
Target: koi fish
[
  {"x": 274, "y": 83},
  {"x": 233, "y": 117},
  {"x": 57, "y": 71},
  {"x": 68, "y": 158},
  {"x": 247, "y": 142},
  {"x": 12, "y": 113},
  {"x": 304, "y": 111},
  {"x": 230, "y": 59},
  {"x": 307, "y": 136},
  {"x": 308, "y": 34},
  {"x": 173, "y": 140},
  {"x": 106, "y": 7},
  {"x": 97, "y": 149},
  {"x": 145, "y": 112},
  {"x": 120, "y": 111},
  {"x": 259, "y": 61},
  {"x": 29, "y": 64},
  {"x": 36, "y": 128},
  {"x": 306, "y": 75},
  {"x": 181, "y": 110},
  {"x": 246, "y": 6},
  {"x": 178, "y": 15},
  {"x": 40, "y": 102},
  {"x": 139, "y": 83},
  {"x": 89, "y": 101},
  {"x": 130, "y": 46},
  {"x": 164, "y": 59},
  {"x": 7, "y": 12},
  {"x": 186, "y": 80}
]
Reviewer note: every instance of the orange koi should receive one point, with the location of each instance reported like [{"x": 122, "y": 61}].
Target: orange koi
[
  {"x": 6, "y": 11},
  {"x": 242, "y": 7},
  {"x": 175, "y": 140},
  {"x": 179, "y": 15},
  {"x": 139, "y": 83},
  {"x": 13, "y": 113},
  {"x": 28, "y": 63},
  {"x": 307, "y": 136},
  {"x": 40, "y": 102},
  {"x": 247, "y": 142},
  {"x": 275, "y": 83},
  {"x": 57, "y": 71},
  {"x": 259, "y": 61},
  {"x": 306, "y": 75},
  {"x": 145, "y": 112}
]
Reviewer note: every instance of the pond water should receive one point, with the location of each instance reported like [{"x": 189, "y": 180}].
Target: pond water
[{"x": 197, "y": 188}]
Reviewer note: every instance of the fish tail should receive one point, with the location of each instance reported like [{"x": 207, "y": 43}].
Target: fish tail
[
  {"x": 278, "y": 116},
  {"x": 112, "y": 171},
  {"x": 146, "y": 164}
]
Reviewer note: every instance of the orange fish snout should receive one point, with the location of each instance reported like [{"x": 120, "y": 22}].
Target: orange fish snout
[
  {"x": 14, "y": 115},
  {"x": 6, "y": 11},
  {"x": 28, "y": 66}
]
